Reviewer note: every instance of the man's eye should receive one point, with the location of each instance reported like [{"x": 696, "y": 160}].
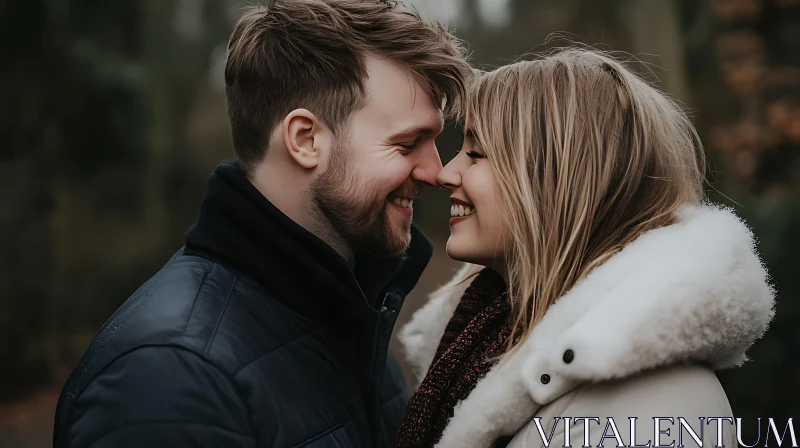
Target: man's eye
[
  {"x": 408, "y": 146},
  {"x": 475, "y": 155}
]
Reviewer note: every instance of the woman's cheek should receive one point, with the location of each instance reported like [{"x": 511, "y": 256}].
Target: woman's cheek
[{"x": 479, "y": 186}]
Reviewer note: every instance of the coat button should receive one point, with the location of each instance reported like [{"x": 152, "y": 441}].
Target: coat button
[
  {"x": 569, "y": 355},
  {"x": 545, "y": 378}
]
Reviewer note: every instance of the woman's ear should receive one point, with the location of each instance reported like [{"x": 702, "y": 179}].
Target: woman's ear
[{"x": 302, "y": 137}]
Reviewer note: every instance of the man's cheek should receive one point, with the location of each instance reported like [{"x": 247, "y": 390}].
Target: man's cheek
[{"x": 394, "y": 178}]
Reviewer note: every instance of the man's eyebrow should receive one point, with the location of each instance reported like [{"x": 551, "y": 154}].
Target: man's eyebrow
[{"x": 416, "y": 131}]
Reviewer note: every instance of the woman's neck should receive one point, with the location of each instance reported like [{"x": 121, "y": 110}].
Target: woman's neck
[{"x": 501, "y": 269}]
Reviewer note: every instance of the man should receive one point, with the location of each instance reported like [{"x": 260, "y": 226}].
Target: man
[{"x": 270, "y": 328}]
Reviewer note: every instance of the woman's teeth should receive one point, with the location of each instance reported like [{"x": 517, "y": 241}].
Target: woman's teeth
[
  {"x": 461, "y": 210},
  {"x": 402, "y": 202}
]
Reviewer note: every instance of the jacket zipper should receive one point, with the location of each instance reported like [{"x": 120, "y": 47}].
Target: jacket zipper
[{"x": 375, "y": 387}]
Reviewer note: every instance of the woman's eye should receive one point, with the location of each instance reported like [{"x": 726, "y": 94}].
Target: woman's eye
[{"x": 474, "y": 155}]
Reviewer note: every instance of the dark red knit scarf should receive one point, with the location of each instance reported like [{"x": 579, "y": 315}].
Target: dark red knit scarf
[{"x": 477, "y": 332}]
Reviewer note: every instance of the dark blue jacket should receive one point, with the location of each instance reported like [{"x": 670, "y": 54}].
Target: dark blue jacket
[{"x": 255, "y": 334}]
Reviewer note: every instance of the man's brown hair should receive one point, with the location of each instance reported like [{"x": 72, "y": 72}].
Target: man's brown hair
[{"x": 311, "y": 54}]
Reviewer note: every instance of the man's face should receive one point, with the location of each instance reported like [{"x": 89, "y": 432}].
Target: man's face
[{"x": 379, "y": 164}]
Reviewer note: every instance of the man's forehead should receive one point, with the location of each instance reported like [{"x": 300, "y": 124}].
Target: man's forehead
[{"x": 394, "y": 96}]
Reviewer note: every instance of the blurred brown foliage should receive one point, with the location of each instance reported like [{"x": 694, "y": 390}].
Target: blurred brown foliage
[{"x": 758, "y": 139}]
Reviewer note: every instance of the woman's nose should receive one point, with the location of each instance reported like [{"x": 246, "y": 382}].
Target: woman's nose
[{"x": 449, "y": 177}]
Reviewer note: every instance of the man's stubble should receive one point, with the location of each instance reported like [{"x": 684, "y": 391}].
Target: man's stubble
[{"x": 354, "y": 208}]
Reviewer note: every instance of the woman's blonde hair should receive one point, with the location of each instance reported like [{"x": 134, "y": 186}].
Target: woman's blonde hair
[{"x": 586, "y": 157}]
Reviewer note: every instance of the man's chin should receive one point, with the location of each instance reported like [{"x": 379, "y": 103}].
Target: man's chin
[
  {"x": 394, "y": 243},
  {"x": 402, "y": 230},
  {"x": 391, "y": 240},
  {"x": 400, "y": 242}
]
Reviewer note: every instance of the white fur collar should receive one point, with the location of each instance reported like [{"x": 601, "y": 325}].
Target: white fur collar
[{"x": 693, "y": 291}]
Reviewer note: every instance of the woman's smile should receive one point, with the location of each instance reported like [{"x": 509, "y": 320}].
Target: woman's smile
[{"x": 460, "y": 210}]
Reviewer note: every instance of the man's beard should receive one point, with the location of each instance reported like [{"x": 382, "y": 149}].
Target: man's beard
[{"x": 354, "y": 212}]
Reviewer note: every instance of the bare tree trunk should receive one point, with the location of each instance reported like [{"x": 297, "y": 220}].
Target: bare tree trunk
[{"x": 655, "y": 29}]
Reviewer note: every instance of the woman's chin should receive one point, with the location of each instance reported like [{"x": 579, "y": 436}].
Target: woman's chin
[{"x": 458, "y": 252}]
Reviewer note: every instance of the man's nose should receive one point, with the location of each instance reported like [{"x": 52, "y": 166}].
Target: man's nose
[{"x": 427, "y": 166}]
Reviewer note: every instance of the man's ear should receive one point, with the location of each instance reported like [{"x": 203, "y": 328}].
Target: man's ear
[{"x": 302, "y": 135}]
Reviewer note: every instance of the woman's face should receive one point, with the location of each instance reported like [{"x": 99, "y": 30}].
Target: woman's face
[{"x": 476, "y": 226}]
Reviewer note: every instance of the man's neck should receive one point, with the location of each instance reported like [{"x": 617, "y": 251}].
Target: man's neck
[
  {"x": 298, "y": 207},
  {"x": 317, "y": 224}
]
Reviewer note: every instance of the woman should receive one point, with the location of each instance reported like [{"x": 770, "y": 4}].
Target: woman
[{"x": 606, "y": 286}]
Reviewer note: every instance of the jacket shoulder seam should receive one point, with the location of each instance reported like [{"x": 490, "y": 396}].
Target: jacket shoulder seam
[
  {"x": 230, "y": 296},
  {"x": 196, "y": 297},
  {"x": 220, "y": 317}
]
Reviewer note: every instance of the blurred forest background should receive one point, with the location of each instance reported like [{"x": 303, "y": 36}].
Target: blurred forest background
[{"x": 112, "y": 116}]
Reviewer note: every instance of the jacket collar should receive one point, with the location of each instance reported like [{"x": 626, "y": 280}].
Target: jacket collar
[
  {"x": 695, "y": 291},
  {"x": 239, "y": 228}
]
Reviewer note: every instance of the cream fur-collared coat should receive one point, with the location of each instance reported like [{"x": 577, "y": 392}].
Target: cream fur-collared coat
[{"x": 647, "y": 328}]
